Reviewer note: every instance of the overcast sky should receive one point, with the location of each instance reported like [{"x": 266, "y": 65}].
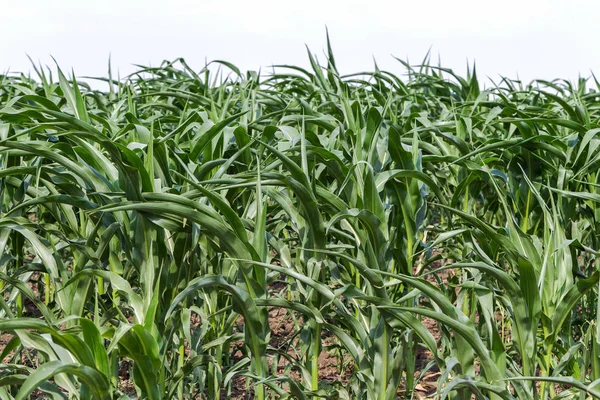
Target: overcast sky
[{"x": 529, "y": 38}]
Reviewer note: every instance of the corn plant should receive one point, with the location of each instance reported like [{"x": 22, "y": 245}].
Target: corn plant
[{"x": 424, "y": 228}]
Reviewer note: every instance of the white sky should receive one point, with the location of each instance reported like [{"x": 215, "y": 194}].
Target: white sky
[{"x": 532, "y": 38}]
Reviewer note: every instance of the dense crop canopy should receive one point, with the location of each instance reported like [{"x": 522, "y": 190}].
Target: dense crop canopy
[{"x": 303, "y": 234}]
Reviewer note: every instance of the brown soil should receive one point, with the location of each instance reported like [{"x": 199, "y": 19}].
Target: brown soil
[{"x": 4, "y": 339}]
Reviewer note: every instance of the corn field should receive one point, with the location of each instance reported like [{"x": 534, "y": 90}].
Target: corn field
[{"x": 220, "y": 234}]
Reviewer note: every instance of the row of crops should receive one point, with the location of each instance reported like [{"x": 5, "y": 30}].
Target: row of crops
[{"x": 407, "y": 226}]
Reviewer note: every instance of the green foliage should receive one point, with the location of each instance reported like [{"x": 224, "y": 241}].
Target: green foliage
[{"x": 147, "y": 232}]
